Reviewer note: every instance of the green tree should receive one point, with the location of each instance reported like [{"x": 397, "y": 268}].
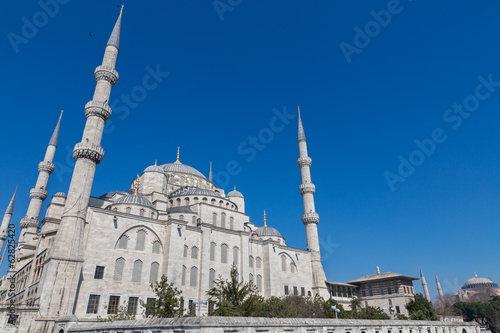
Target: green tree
[
  {"x": 421, "y": 309},
  {"x": 122, "y": 313},
  {"x": 485, "y": 314},
  {"x": 168, "y": 301},
  {"x": 233, "y": 297},
  {"x": 370, "y": 312}
]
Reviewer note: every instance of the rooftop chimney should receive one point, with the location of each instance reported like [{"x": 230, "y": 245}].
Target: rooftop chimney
[{"x": 378, "y": 270}]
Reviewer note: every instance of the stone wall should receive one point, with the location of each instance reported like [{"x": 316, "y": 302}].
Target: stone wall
[{"x": 252, "y": 325}]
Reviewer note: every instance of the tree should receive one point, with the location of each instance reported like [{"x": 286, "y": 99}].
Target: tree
[
  {"x": 485, "y": 314},
  {"x": 122, "y": 313},
  {"x": 421, "y": 309},
  {"x": 167, "y": 304},
  {"x": 233, "y": 297}
]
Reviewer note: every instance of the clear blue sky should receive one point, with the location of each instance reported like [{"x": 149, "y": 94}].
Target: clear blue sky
[{"x": 225, "y": 79}]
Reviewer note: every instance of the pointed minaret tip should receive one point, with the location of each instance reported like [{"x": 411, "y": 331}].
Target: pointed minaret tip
[
  {"x": 10, "y": 208},
  {"x": 114, "y": 39},
  {"x": 265, "y": 220},
  {"x": 302, "y": 135},
  {"x": 178, "y": 154},
  {"x": 55, "y": 135}
]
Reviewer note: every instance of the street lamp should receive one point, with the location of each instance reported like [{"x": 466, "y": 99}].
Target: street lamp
[{"x": 334, "y": 308}]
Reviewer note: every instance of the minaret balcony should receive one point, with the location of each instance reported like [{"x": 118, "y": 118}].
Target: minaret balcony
[
  {"x": 38, "y": 193},
  {"x": 106, "y": 73},
  {"x": 89, "y": 151},
  {"x": 304, "y": 161},
  {"x": 46, "y": 166},
  {"x": 311, "y": 217},
  {"x": 98, "y": 109},
  {"x": 29, "y": 223},
  {"x": 307, "y": 188}
]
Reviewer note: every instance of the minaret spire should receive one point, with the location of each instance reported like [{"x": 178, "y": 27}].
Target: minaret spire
[
  {"x": 440, "y": 290},
  {"x": 424, "y": 286},
  {"x": 178, "y": 154},
  {"x": 210, "y": 178},
  {"x": 30, "y": 223},
  {"x": 6, "y": 220},
  {"x": 63, "y": 266},
  {"x": 310, "y": 218},
  {"x": 265, "y": 220}
]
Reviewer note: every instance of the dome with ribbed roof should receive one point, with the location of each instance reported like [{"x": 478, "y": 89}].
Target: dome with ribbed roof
[
  {"x": 133, "y": 199},
  {"x": 267, "y": 231},
  {"x": 235, "y": 193},
  {"x": 479, "y": 282},
  {"x": 188, "y": 190},
  {"x": 181, "y": 168},
  {"x": 154, "y": 168}
]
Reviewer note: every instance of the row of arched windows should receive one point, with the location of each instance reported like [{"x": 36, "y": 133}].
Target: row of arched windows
[
  {"x": 136, "y": 271},
  {"x": 257, "y": 262},
  {"x": 142, "y": 211},
  {"x": 193, "y": 278},
  {"x": 222, "y": 221},
  {"x": 188, "y": 201},
  {"x": 123, "y": 242},
  {"x": 284, "y": 264}
]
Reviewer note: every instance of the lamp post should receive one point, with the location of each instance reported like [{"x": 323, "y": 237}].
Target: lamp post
[{"x": 337, "y": 311}]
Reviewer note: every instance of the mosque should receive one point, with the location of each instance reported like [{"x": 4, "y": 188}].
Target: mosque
[{"x": 88, "y": 255}]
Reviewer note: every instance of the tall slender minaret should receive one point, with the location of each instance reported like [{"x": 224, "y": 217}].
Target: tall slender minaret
[
  {"x": 424, "y": 285},
  {"x": 63, "y": 267},
  {"x": 310, "y": 218},
  {"x": 440, "y": 290},
  {"x": 6, "y": 221},
  {"x": 30, "y": 223},
  {"x": 210, "y": 178}
]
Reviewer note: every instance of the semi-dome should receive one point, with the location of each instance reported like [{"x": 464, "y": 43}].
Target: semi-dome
[
  {"x": 267, "y": 231},
  {"x": 60, "y": 194},
  {"x": 181, "y": 168},
  {"x": 479, "y": 282},
  {"x": 133, "y": 199},
  {"x": 194, "y": 191}
]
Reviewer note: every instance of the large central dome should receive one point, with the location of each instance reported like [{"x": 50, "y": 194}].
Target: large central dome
[
  {"x": 479, "y": 282},
  {"x": 181, "y": 168}
]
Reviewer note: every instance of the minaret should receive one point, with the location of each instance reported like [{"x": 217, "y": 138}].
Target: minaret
[
  {"x": 210, "y": 178},
  {"x": 6, "y": 221},
  {"x": 424, "y": 285},
  {"x": 440, "y": 290},
  {"x": 30, "y": 223},
  {"x": 63, "y": 267},
  {"x": 310, "y": 218}
]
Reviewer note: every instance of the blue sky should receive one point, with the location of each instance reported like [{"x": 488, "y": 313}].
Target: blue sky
[{"x": 417, "y": 71}]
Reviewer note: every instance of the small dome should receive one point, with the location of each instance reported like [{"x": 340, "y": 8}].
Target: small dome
[
  {"x": 154, "y": 168},
  {"x": 132, "y": 199},
  {"x": 267, "y": 231},
  {"x": 235, "y": 194},
  {"x": 60, "y": 194},
  {"x": 181, "y": 168},
  {"x": 479, "y": 282}
]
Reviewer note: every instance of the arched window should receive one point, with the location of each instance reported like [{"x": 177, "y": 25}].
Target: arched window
[
  {"x": 186, "y": 201},
  {"x": 293, "y": 268},
  {"x": 235, "y": 255},
  {"x": 152, "y": 215},
  {"x": 193, "y": 280},
  {"x": 250, "y": 261},
  {"x": 212, "y": 251},
  {"x": 141, "y": 212},
  {"x": 122, "y": 243},
  {"x": 182, "y": 181},
  {"x": 231, "y": 223},
  {"x": 223, "y": 220},
  {"x": 186, "y": 249},
  {"x": 178, "y": 201},
  {"x": 221, "y": 203},
  {"x": 211, "y": 278},
  {"x": 223, "y": 253},
  {"x": 258, "y": 262},
  {"x": 119, "y": 264},
  {"x": 196, "y": 200},
  {"x": 205, "y": 200},
  {"x": 259, "y": 282},
  {"x": 194, "y": 252},
  {"x": 183, "y": 281},
  {"x": 250, "y": 277},
  {"x": 153, "y": 276},
  {"x": 136, "y": 273},
  {"x": 193, "y": 219},
  {"x": 141, "y": 238},
  {"x": 213, "y": 201},
  {"x": 128, "y": 210},
  {"x": 214, "y": 219},
  {"x": 283, "y": 263},
  {"x": 156, "y": 247},
  {"x": 181, "y": 217}
]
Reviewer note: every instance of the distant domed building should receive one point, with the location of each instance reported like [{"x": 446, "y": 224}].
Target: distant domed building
[{"x": 477, "y": 285}]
